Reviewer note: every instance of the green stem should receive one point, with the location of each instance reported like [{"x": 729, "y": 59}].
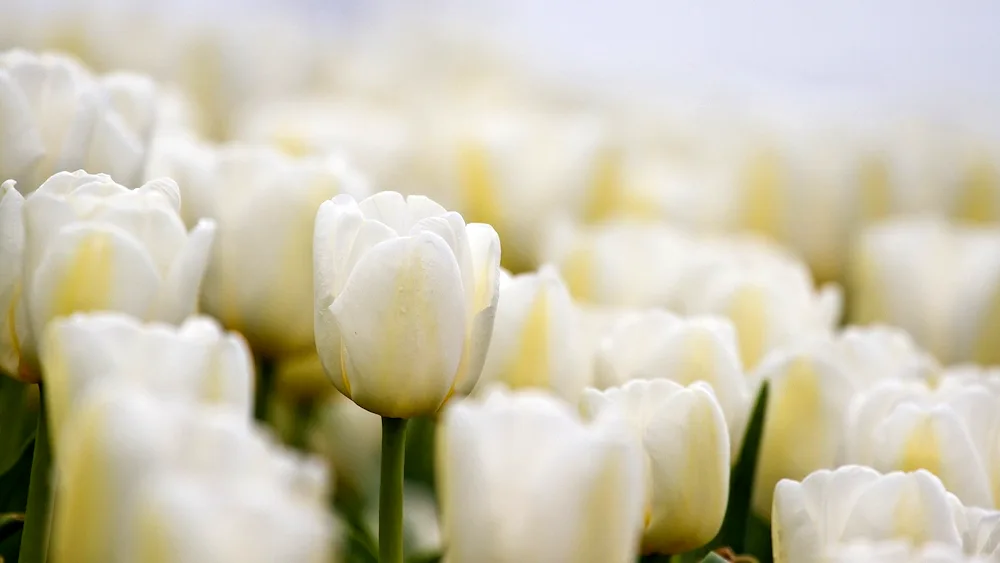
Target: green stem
[
  {"x": 262, "y": 392},
  {"x": 38, "y": 516},
  {"x": 390, "y": 502}
]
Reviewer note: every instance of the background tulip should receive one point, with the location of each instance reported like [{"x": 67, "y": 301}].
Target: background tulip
[
  {"x": 657, "y": 345},
  {"x": 195, "y": 362},
  {"x": 684, "y": 435},
  {"x": 93, "y": 245},
  {"x": 349, "y": 438},
  {"x": 536, "y": 337},
  {"x": 580, "y": 501},
  {"x": 405, "y": 299},
  {"x": 264, "y": 203},
  {"x": 57, "y": 116}
]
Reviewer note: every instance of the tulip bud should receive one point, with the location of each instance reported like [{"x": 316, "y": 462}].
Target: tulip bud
[
  {"x": 536, "y": 337},
  {"x": 813, "y": 517},
  {"x": 657, "y": 345},
  {"x": 259, "y": 277},
  {"x": 405, "y": 296},
  {"x": 57, "y": 116},
  {"x": 581, "y": 501},
  {"x": 686, "y": 442},
  {"x": 195, "y": 362},
  {"x": 93, "y": 245},
  {"x": 142, "y": 479},
  {"x": 936, "y": 280}
]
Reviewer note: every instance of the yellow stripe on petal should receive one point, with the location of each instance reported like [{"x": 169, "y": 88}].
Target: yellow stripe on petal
[
  {"x": 922, "y": 449},
  {"x": 748, "y": 312},
  {"x": 87, "y": 283},
  {"x": 530, "y": 366},
  {"x": 762, "y": 200},
  {"x": 576, "y": 271},
  {"x": 876, "y": 195},
  {"x": 699, "y": 360},
  {"x": 978, "y": 197},
  {"x": 479, "y": 196}
]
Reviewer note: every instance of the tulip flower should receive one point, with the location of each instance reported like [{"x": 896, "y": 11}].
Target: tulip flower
[
  {"x": 259, "y": 277},
  {"x": 880, "y": 552},
  {"x": 196, "y": 362},
  {"x": 537, "y": 340},
  {"x": 657, "y": 345},
  {"x": 406, "y": 295},
  {"x": 143, "y": 479},
  {"x": 90, "y": 244},
  {"x": 348, "y": 437},
  {"x": 581, "y": 501},
  {"x": 936, "y": 280},
  {"x": 684, "y": 435},
  {"x": 57, "y": 116},
  {"x": 945, "y": 429},
  {"x": 820, "y": 517}
]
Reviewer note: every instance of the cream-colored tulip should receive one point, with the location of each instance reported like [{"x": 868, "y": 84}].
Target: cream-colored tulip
[
  {"x": 259, "y": 278},
  {"x": 93, "y": 245},
  {"x": 196, "y": 362},
  {"x": 828, "y": 508},
  {"x": 143, "y": 479},
  {"x": 948, "y": 430},
  {"x": 405, "y": 297},
  {"x": 937, "y": 280},
  {"x": 892, "y": 551},
  {"x": 657, "y": 345},
  {"x": 536, "y": 337},
  {"x": 580, "y": 501},
  {"x": 684, "y": 435},
  {"x": 350, "y": 439},
  {"x": 56, "y": 116}
]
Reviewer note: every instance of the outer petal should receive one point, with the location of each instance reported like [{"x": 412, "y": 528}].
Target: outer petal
[
  {"x": 12, "y": 260},
  {"x": 178, "y": 295},
  {"x": 21, "y": 145},
  {"x": 402, "y": 322},
  {"x": 92, "y": 267},
  {"x": 485, "y": 247}
]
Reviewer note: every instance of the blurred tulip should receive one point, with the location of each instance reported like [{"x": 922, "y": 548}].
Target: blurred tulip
[
  {"x": 581, "y": 501},
  {"x": 536, "y": 337},
  {"x": 350, "y": 439},
  {"x": 657, "y": 345},
  {"x": 939, "y": 281},
  {"x": 302, "y": 379},
  {"x": 683, "y": 432},
  {"x": 93, "y": 245},
  {"x": 406, "y": 295},
  {"x": 196, "y": 362},
  {"x": 142, "y": 479},
  {"x": 264, "y": 203},
  {"x": 948, "y": 429},
  {"x": 57, "y": 117},
  {"x": 881, "y": 552},
  {"x": 854, "y": 503}
]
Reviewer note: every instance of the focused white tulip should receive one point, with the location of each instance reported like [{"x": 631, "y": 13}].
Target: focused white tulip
[
  {"x": 259, "y": 278},
  {"x": 143, "y": 479},
  {"x": 880, "y": 552},
  {"x": 948, "y": 429},
  {"x": 657, "y": 345},
  {"x": 580, "y": 501},
  {"x": 537, "y": 338},
  {"x": 936, "y": 280},
  {"x": 405, "y": 297},
  {"x": 852, "y": 503},
  {"x": 196, "y": 362},
  {"x": 350, "y": 439},
  {"x": 90, "y": 244},
  {"x": 684, "y": 434},
  {"x": 57, "y": 116}
]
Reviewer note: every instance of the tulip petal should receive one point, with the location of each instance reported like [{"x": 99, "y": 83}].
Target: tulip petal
[
  {"x": 178, "y": 296},
  {"x": 402, "y": 319},
  {"x": 12, "y": 258},
  {"x": 484, "y": 245},
  {"x": 20, "y": 137},
  {"x": 388, "y": 208}
]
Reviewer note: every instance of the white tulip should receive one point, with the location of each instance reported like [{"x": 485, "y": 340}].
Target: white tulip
[
  {"x": 579, "y": 501},
  {"x": 852, "y": 503},
  {"x": 140, "y": 478},
  {"x": 537, "y": 337},
  {"x": 90, "y": 244},
  {"x": 936, "y": 280},
  {"x": 350, "y": 439},
  {"x": 196, "y": 362},
  {"x": 948, "y": 430},
  {"x": 881, "y": 552},
  {"x": 657, "y": 345},
  {"x": 405, "y": 297},
  {"x": 259, "y": 278},
  {"x": 684, "y": 435},
  {"x": 57, "y": 116}
]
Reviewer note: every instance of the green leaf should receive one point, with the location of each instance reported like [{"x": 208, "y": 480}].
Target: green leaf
[
  {"x": 425, "y": 558},
  {"x": 14, "y": 499},
  {"x": 758, "y": 539},
  {"x": 18, "y": 419}
]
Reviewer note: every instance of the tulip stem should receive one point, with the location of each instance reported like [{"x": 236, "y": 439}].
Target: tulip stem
[
  {"x": 35, "y": 537},
  {"x": 390, "y": 502}
]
